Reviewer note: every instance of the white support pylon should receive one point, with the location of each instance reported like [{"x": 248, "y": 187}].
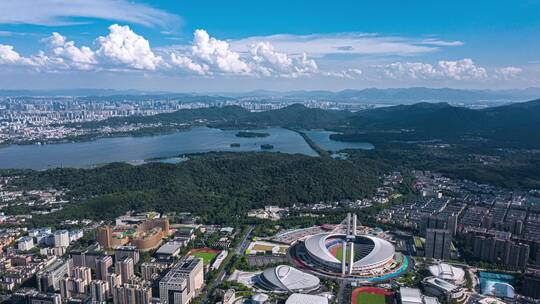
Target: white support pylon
[
  {"x": 351, "y": 258},
  {"x": 344, "y": 258}
]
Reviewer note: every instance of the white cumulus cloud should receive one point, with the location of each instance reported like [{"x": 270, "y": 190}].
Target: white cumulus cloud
[
  {"x": 8, "y": 55},
  {"x": 463, "y": 69},
  {"x": 123, "y": 47},
  {"x": 508, "y": 72},
  {"x": 269, "y": 62},
  {"x": 80, "y": 58},
  {"x": 217, "y": 52},
  {"x": 187, "y": 63},
  {"x": 348, "y": 73},
  {"x": 414, "y": 70}
]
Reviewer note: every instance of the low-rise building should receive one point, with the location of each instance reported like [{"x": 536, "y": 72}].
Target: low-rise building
[
  {"x": 25, "y": 243},
  {"x": 443, "y": 289}
]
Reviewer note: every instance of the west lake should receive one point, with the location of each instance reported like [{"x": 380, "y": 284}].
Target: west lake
[{"x": 138, "y": 149}]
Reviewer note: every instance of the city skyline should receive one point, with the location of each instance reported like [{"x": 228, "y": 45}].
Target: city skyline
[{"x": 276, "y": 46}]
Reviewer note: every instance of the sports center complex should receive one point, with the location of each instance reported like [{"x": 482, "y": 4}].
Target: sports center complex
[{"x": 349, "y": 255}]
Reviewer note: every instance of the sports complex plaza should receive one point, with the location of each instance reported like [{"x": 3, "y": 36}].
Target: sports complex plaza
[{"x": 349, "y": 255}]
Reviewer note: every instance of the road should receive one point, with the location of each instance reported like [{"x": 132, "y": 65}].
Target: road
[
  {"x": 241, "y": 249},
  {"x": 340, "y": 297},
  {"x": 220, "y": 277}
]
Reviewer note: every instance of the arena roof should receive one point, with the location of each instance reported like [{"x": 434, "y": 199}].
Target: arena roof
[
  {"x": 287, "y": 278},
  {"x": 382, "y": 250},
  {"x": 440, "y": 284},
  {"x": 448, "y": 272}
]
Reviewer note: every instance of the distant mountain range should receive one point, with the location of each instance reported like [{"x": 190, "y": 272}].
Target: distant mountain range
[
  {"x": 405, "y": 95},
  {"x": 511, "y": 125},
  {"x": 515, "y": 125},
  {"x": 370, "y": 95}
]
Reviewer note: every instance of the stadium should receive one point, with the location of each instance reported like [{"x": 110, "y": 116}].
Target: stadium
[{"x": 349, "y": 255}]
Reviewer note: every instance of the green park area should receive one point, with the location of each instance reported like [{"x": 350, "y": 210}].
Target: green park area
[{"x": 207, "y": 257}]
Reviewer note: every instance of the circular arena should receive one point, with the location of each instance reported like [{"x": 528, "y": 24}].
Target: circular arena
[{"x": 361, "y": 257}]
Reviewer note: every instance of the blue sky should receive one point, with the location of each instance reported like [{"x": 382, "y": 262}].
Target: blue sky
[{"x": 279, "y": 45}]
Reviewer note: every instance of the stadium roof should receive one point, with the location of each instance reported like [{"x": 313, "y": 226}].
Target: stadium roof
[
  {"x": 287, "y": 278},
  {"x": 447, "y": 272},
  {"x": 441, "y": 284},
  {"x": 299, "y": 298},
  {"x": 382, "y": 250}
]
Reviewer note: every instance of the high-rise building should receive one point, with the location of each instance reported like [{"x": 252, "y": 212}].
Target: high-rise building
[
  {"x": 77, "y": 282},
  {"x": 99, "y": 291},
  {"x": 83, "y": 273},
  {"x": 61, "y": 238},
  {"x": 70, "y": 287},
  {"x": 125, "y": 268},
  {"x": 531, "y": 285},
  {"x": 32, "y": 296},
  {"x": 113, "y": 280},
  {"x": 86, "y": 257},
  {"x": 45, "y": 298},
  {"x": 126, "y": 251},
  {"x": 439, "y": 221},
  {"x": 139, "y": 293},
  {"x": 104, "y": 236},
  {"x": 501, "y": 251},
  {"x": 438, "y": 243},
  {"x": 103, "y": 267},
  {"x": 48, "y": 279},
  {"x": 151, "y": 270},
  {"x": 179, "y": 285}
]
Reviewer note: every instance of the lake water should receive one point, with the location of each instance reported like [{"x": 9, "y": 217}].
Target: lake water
[
  {"x": 137, "y": 149},
  {"x": 322, "y": 138}
]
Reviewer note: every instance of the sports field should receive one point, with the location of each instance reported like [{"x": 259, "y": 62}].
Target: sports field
[
  {"x": 370, "y": 298},
  {"x": 337, "y": 251},
  {"x": 371, "y": 295},
  {"x": 206, "y": 254}
]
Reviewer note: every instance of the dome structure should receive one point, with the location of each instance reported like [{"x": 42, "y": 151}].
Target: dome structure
[{"x": 284, "y": 278}]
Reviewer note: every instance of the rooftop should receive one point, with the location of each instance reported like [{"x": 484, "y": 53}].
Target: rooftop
[{"x": 299, "y": 298}]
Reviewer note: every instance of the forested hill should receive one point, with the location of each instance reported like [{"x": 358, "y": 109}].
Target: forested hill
[
  {"x": 295, "y": 115},
  {"x": 510, "y": 125},
  {"x": 514, "y": 125},
  {"x": 218, "y": 186}
]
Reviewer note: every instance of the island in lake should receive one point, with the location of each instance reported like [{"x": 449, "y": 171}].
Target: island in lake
[
  {"x": 235, "y": 145},
  {"x": 249, "y": 134},
  {"x": 267, "y": 147}
]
